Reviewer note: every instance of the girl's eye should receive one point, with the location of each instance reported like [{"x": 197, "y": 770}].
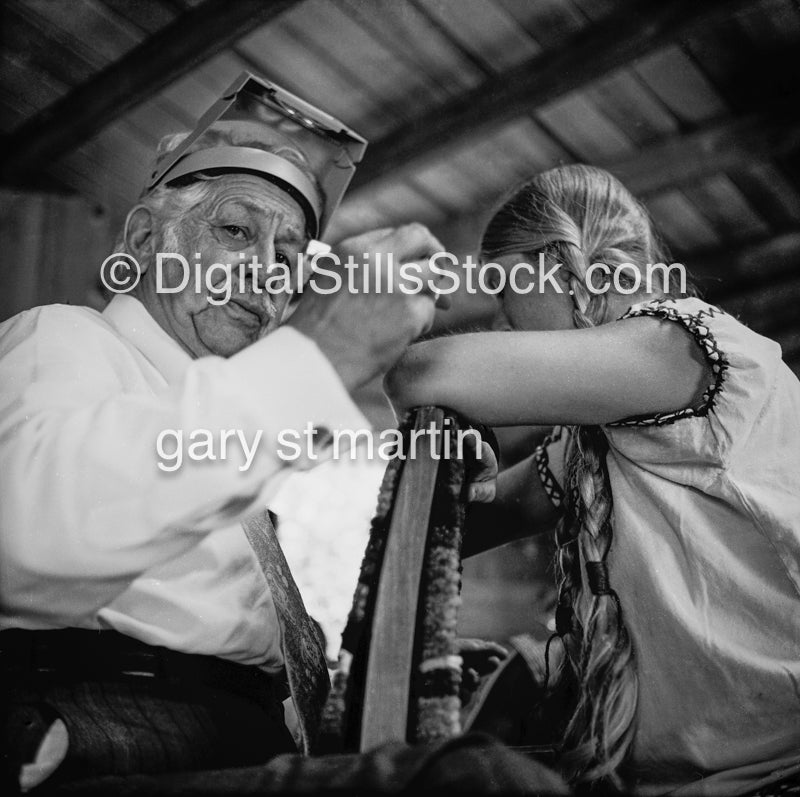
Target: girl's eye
[
  {"x": 281, "y": 257},
  {"x": 235, "y": 231}
]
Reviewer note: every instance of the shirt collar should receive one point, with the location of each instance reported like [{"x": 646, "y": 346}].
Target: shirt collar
[{"x": 130, "y": 318}]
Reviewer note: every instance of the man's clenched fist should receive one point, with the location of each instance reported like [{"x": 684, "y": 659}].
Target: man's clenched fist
[{"x": 364, "y": 332}]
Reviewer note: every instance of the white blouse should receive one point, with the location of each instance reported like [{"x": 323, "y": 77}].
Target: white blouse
[{"x": 706, "y": 562}]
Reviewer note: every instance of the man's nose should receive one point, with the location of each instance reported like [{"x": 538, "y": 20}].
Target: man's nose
[
  {"x": 259, "y": 261},
  {"x": 252, "y": 278}
]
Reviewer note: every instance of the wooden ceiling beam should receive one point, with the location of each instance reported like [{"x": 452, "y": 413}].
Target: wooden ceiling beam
[
  {"x": 725, "y": 146},
  {"x": 758, "y": 283},
  {"x": 192, "y": 38},
  {"x": 635, "y": 29},
  {"x": 732, "y": 145},
  {"x": 733, "y": 272},
  {"x": 768, "y": 305}
]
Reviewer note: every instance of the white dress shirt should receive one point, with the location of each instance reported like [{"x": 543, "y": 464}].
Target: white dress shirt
[{"x": 92, "y": 533}]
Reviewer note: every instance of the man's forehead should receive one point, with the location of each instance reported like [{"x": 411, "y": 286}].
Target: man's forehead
[{"x": 264, "y": 200}]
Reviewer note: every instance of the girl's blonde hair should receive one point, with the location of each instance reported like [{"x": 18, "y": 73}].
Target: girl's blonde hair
[{"x": 581, "y": 215}]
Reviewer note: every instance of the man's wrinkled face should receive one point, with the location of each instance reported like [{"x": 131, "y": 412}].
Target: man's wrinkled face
[{"x": 243, "y": 217}]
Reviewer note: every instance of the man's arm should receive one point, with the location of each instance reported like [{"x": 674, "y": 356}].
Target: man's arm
[{"x": 83, "y": 498}]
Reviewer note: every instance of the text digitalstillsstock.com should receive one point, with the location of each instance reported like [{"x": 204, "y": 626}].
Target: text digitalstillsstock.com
[
  {"x": 175, "y": 446},
  {"x": 441, "y": 274}
]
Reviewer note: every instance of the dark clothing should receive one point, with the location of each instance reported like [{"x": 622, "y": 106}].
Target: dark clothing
[
  {"x": 471, "y": 764},
  {"x": 133, "y": 708},
  {"x": 143, "y": 720}
]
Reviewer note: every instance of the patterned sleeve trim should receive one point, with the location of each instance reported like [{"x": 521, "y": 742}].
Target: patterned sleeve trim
[
  {"x": 696, "y": 324},
  {"x": 542, "y": 462}
]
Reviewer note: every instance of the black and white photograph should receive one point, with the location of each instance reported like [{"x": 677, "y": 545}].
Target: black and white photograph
[{"x": 400, "y": 397}]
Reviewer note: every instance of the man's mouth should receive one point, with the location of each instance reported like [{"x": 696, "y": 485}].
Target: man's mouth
[{"x": 248, "y": 313}]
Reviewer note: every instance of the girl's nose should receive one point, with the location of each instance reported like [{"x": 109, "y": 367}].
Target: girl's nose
[{"x": 500, "y": 323}]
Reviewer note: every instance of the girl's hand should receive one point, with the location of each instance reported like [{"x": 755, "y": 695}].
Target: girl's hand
[
  {"x": 480, "y": 658},
  {"x": 481, "y": 472}
]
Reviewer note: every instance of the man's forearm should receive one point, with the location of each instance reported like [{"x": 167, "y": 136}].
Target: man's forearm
[{"x": 84, "y": 498}]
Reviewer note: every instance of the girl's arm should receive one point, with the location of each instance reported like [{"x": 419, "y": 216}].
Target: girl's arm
[
  {"x": 521, "y": 508},
  {"x": 579, "y": 376}
]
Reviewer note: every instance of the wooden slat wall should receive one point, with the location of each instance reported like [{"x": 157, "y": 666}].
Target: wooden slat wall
[{"x": 52, "y": 250}]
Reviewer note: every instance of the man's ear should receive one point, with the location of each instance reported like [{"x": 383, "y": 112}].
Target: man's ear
[{"x": 139, "y": 235}]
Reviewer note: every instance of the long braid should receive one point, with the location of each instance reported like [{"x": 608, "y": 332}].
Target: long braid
[
  {"x": 600, "y": 731},
  {"x": 602, "y": 725}
]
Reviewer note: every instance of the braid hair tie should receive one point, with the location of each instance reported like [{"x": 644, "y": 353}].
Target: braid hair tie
[{"x": 597, "y": 576}]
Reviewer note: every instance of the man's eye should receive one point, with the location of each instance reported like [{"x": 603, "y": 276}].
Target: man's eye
[
  {"x": 282, "y": 257},
  {"x": 494, "y": 282},
  {"x": 239, "y": 233}
]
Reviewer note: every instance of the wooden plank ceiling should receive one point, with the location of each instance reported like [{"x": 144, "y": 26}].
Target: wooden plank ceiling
[{"x": 693, "y": 104}]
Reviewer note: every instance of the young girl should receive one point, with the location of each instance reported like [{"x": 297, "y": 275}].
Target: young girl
[{"x": 677, "y": 485}]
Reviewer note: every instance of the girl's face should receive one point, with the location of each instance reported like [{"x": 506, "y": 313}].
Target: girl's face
[
  {"x": 537, "y": 296},
  {"x": 532, "y": 300}
]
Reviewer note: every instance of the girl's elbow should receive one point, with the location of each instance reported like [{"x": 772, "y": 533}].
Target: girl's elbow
[
  {"x": 399, "y": 390},
  {"x": 393, "y": 382},
  {"x": 406, "y": 388}
]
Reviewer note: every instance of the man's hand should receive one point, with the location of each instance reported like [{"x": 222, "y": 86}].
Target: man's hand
[{"x": 363, "y": 332}]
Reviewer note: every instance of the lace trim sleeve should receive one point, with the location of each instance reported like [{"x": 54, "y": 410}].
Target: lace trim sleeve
[
  {"x": 696, "y": 323},
  {"x": 542, "y": 461}
]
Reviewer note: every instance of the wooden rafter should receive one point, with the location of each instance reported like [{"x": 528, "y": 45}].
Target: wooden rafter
[
  {"x": 732, "y": 145},
  {"x": 727, "y": 145},
  {"x": 759, "y": 281},
  {"x": 192, "y": 38},
  {"x": 630, "y": 32},
  {"x": 733, "y": 272}
]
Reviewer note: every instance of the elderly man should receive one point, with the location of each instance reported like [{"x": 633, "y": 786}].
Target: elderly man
[{"x": 140, "y": 630}]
